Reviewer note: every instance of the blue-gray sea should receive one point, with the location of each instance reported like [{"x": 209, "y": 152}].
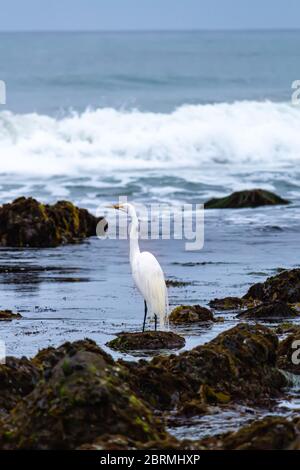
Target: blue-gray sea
[{"x": 158, "y": 117}]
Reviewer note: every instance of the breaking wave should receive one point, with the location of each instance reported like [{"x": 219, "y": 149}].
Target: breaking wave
[{"x": 252, "y": 133}]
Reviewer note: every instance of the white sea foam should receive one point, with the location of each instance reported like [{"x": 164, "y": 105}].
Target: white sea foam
[{"x": 254, "y": 133}]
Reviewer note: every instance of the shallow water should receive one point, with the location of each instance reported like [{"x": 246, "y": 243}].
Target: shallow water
[{"x": 228, "y": 419}]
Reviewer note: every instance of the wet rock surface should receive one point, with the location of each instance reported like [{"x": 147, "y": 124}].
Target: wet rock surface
[
  {"x": 271, "y": 433},
  {"x": 8, "y": 315},
  {"x": 285, "y": 287},
  {"x": 184, "y": 314},
  {"x": 228, "y": 303},
  {"x": 47, "y": 358},
  {"x": 28, "y": 223},
  {"x": 82, "y": 397},
  {"x": 280, "y": 293},
  {"x": 150, "y": 340},
  {"x": 240, "y": 365},
  {"x": 18, "y": 377},
  {"x": 287, "y": 328},
  {"x": 243, "y": 199},
  {"x": 78, "y": 396},
  {"x": 270, "y": 310},
  {"x": 268, "y": 434},
  {"x": 289, "y": 353}
]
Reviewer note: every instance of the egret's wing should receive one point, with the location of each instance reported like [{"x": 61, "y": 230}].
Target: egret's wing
[{"x": 150, "y": 280}]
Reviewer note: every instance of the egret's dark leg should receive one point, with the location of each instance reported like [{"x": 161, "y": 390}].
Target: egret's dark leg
[
  {"x": 145, "y": 316},
  {"x": 155, "y": 321}
]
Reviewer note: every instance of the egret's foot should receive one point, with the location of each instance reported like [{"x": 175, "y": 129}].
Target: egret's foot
[{"x": 145, "y": 316}]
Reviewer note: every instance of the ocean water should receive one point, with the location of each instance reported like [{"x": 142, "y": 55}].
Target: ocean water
[{"x": 155, "y": 116}]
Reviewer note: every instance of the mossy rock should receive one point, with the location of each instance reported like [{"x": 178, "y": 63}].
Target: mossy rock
[
  {"x": 77, "y": 395},
  {"x": 149, "y": 340},
  {"x": 284, "y": 287},
  {"x": 175, "y": 283},
  {"x": 239, "y": 364},
  {"x": 228, "y": 303},
  {"x": 288, "y": 358},
  {"x": 191, "y": 408},
  {"x": 209, "y": 395},
  {"x": 28, "y": 223},
  {"x": 243, "y": 199},
  {"x": 285, "y": 328},
  {"x": 271, "y": 310},
  {"x": 186, "y": 314},
  {"x": 47, "y": 358},
  {"x": 18, "y": 377},
  {"x": 8, "y": 315},
  {"x": 81, "y": 398},
  {"x": 271, "y": 433}
]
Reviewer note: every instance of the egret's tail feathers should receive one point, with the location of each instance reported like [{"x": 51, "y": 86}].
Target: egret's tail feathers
[
  {"x": 150, "y": 281},
  {"x": 161, "y": 307}
]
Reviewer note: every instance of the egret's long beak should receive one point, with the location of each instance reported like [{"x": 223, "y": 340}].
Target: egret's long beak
[{"x": 117, "y": 207}]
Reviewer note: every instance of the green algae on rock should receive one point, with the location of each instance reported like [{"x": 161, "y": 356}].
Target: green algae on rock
[
  {"x": 28, "y": 223},
  {"x": 47, "y": 358},
  {"x": 270, "y": 310},
  {"x": 239, "y": 364},
  {"x": 285, "y": 287},
  {"x": 150, "y": 340},
  {"x": 209, "y": 395},
  {"x": 285, "y": 328},
  {"x": 267, "y": 434},
  {"x": 270, "y": 433},
  {"x": 18, "y": 377},
  {"x": 247, "y": 198},
  {"x": 8, "y": 315},
  {"x": 289, "y": 353},
  {"x": 82, "y": 397},
  {"x": 227, "y": 303},
  {"x": 77, "y": 396},
  {"x": 184, "y": 314}
]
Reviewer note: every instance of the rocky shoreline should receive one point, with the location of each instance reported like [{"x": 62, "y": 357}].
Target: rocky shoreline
[
  {"x": 77, "y": 396},
  {"x": 27, "y": 222}
]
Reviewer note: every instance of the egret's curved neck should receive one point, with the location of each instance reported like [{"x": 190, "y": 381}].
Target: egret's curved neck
[{"x": 134, "y": 237}]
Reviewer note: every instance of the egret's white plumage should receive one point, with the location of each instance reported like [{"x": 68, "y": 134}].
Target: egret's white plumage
[
  {"x": 150, "y": 281},
  {"x": 146, "y": 271}
]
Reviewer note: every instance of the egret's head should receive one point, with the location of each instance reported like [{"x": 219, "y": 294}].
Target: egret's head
[
  {"x": 120, "y": 207},
  {"x": 129, "y": 209},
  {"x": 125, "y": 207}
]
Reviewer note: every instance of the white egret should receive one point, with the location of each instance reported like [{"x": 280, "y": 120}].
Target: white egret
[{"x": 146, "y": 272}]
